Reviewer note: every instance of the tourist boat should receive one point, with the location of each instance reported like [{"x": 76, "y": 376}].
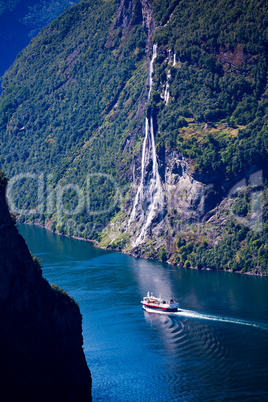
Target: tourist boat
[{"x": 158, "y": 304}]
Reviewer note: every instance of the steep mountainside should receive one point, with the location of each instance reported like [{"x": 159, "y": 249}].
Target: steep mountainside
[
  {"x": 40, "y": 327},
  {"x": 21, "y": 20},
  {"x": 143, "y": 125}
]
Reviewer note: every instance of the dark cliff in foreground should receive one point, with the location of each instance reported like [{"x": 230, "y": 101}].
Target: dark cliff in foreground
[{"x": 40, "y": 327}]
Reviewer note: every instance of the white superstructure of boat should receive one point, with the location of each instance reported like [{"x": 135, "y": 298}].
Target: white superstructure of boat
[{"x": 158, "y": 304}]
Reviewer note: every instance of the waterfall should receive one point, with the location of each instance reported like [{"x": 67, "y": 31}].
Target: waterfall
[
  {"x": 155, "y": 189},
  {"x": 152, "y": 69},
  {"x": 166, "y": 94},
  {"x": 153, "y": 192},
  {"x": 139, "y": 194}
]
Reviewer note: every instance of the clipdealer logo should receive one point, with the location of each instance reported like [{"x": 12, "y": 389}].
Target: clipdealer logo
[
  {"x": 50, "y": 199},
  {"x": 254, "y": 220}
]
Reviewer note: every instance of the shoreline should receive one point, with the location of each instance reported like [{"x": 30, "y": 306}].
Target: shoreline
[{"x": 95, "y": 244}]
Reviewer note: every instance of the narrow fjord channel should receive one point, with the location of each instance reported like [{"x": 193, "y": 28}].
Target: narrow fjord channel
[{"x": 198, "y": 354}]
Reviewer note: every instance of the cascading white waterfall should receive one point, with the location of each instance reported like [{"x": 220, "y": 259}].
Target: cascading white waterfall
[
  {"x": 174, "y": 59},
  {"x": 152, "y": 70},
  {"x": 155, "y": 189},
  {"x": 139, "y": 194},
  {"x": 166, "y": 94},
  {"x": 153, "y": 192}
]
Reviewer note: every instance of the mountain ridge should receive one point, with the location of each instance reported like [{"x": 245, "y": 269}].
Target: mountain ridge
[
  {"x": 20, "y": 21},
  {"x": 81, "y": 120}
]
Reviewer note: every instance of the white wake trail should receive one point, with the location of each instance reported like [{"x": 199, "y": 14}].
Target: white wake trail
[{"x": 211, "y": 317}]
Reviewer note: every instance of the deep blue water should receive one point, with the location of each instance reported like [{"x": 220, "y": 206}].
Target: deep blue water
[{"x": 217, "y": 349}]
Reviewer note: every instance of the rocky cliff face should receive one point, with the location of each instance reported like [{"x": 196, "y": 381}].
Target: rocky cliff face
[
  {"x": 40, "y": 327},
  {"x": 166, "y": 199},
  {"x": 164, "y": 190},
  {"x": 129, "y": 100},
  {"x": 186, "y": 201}
]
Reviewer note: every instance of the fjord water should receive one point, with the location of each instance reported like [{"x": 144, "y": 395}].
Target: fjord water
[{"x": 217, "y": 349}]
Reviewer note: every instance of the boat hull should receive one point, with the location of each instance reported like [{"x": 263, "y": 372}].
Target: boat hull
[{"x": 160, "y": 308}]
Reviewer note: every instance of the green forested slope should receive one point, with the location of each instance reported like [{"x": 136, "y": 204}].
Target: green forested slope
[
  {"x": 222, "y": 76},
  {"x": 220, "y": 79},
  {"x": 21, "y": 20},
  {"x": 73, "y": 104},
  {"x": 70, "y": 100}
]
